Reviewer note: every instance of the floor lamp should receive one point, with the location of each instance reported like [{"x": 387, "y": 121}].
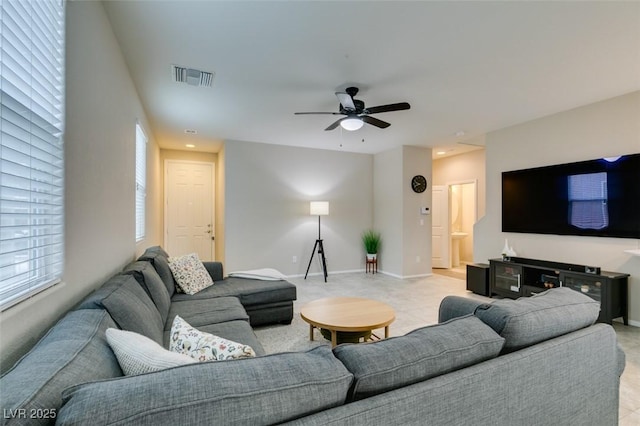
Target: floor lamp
[{"x": 318, "y": 208}]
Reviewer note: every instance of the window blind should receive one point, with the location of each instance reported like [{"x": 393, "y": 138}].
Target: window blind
[
  {"x": 31, "y": 147},
  {"x": 141, "y": 181}
]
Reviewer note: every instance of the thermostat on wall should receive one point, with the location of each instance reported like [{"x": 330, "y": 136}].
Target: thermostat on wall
[{"x": 424, "y": 210}]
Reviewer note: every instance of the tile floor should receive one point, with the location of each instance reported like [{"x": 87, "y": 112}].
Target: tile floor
[{"x": 416, "y": 302}]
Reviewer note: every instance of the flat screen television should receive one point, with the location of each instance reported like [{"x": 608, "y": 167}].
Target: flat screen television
[{"x": 594, "y": 198}]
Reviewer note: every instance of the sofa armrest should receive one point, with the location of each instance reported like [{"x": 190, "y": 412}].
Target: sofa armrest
[
  {"x": 215, "y": 270},
  {"x": 456, "y": 306}
]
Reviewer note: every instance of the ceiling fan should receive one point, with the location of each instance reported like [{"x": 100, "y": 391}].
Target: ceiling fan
[{"x": 355, "y": 112}]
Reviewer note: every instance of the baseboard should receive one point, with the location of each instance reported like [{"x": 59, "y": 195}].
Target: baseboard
[
  {"x": 319, "y": 274},
  {"x": 403, "y": 277},
  {"x": 634, "y": 323},
  {"x": 351, "y": 271}
]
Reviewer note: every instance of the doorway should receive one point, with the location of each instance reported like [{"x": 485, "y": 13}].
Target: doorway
[
  {"x": 189, "y": 208},
  {"x": 454, "y": 215}
]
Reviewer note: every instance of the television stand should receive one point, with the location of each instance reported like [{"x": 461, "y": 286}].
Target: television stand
[{"x": 517, "y": 277}]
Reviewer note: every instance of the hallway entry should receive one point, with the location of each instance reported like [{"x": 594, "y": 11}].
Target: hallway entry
[
  {"x": 189, "y": 208},
  {"x": 454, "y": 215}
]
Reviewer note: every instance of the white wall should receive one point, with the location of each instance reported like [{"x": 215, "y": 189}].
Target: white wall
[
  {"x": 387, "y": 209},
  {"x": 603, "y": 129},
  {"x": 267, "y": 193},
  {"x": 101, "y": 111},
  {"x": 406, "y": 234}
]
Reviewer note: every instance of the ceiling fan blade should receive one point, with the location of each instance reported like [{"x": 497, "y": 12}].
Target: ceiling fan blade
[
  {"x": 334, "y": 124},
  {"x": 346, "y": 100},
  {"x": 374, "y": 121},
  {"x": 388, "y": 108},
  {"x": 304, "y": 113}
]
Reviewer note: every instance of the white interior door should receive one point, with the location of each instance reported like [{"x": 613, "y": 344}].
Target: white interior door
[
  {"x": 440, "y": 233},
  {"x": 189, "y": 208}
]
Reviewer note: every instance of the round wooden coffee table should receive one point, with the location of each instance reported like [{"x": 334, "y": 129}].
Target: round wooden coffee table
[{"x": 347, "y": 315}]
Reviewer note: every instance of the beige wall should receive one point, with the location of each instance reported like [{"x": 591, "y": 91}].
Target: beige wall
[
  {"x": 101, "y": 112},
  {"x": 416, "y": 227},
  {"x": 602, "y": 129},
  {"x": 220, "y": 210},
  {"x": 467, "y": 167},
  {"x": 267, "y": 193}
]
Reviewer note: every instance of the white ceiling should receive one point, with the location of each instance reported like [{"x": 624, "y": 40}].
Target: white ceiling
[{"x": 463, "y": 66}]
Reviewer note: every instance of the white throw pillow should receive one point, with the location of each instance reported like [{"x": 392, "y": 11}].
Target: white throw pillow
[
  {"x": 264, "y": 274},
  {"x": 138, "y": 354},
  {"x": 204, "y": 346},
  {"x": 190, "y": 273}
]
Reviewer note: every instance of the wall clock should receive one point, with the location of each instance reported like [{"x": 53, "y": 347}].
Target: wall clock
[{"x": 418, "y": 183}]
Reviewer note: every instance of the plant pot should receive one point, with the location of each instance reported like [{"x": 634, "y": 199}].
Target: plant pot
[{"x": 371, "y": 256}]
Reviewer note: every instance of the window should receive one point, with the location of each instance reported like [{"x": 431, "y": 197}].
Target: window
[
  {"x": 588, "y": 201},
  {"x": 141, "y": 181},
  {"x": 31, "y": 147}
]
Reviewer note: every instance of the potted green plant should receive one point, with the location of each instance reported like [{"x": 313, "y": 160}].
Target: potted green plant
[{"x": 371, "y": 240}]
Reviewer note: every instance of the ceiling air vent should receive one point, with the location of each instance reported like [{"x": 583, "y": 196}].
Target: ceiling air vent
[{"x": 191, "y": 76}]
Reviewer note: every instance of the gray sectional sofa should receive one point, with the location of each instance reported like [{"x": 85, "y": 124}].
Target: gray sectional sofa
[{"x": 532, "y": 361}]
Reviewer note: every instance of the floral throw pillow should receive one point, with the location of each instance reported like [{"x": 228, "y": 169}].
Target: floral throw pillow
[
  {"x": 204, "y": 346},
  {"x": 189, "y": 273}
]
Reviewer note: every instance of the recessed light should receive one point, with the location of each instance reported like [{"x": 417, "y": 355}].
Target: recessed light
[
  {"x": 459, "y": 133},
  {"x": 190, "y": 145},
  {"x": 191, "y": 131},
  {"x": 441, "y": 152}
]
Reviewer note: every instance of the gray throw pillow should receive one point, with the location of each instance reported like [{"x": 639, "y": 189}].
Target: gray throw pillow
[
  {"x": 417, "y": 356},
  {"x": 530, "y": 320}
]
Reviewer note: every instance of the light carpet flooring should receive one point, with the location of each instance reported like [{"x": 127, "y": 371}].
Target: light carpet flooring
[{"x": 416, "y": 303}]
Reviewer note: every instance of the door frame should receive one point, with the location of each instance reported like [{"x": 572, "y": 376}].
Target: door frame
[
  {"x": 475, "y": 207},
  {"x": 165, "y": 197}
]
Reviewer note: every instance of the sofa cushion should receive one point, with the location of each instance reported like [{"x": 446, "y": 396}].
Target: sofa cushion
[
  {"x": 419, "y": 355},
  {"x": 138, "y": 354},
  {"x": 239, "y": 331},
  {"x": 73, "y": 351},
  {"x": 207, "y": 311},
  {"x": 203, "y": 346},
  {"x": 189, "y": 273},
  {"x": 457, "y": 306},
  {"x": 530, "y": 320},
  {"x": 250, "y": 292},
  {"x": 269, "y": 313},
  {"x": 129, "y": 306},
  {"x": 252, "y": 391},
  {"x": 151, "y": 282},
  {"x": 157, "y": 249},
  {"x": 158, "y": 258}
]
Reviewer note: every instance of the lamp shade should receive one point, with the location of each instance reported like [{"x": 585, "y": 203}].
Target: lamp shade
[
  {"x": 352, "y": 123},
  {"x": 319, "y": 208}
]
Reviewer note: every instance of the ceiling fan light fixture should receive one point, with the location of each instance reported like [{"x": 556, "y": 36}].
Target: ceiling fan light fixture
[{"x": 351, "y": 124}]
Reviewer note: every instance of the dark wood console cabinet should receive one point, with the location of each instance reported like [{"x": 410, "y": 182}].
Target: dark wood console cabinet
[{"x": 516, "y": 277}]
